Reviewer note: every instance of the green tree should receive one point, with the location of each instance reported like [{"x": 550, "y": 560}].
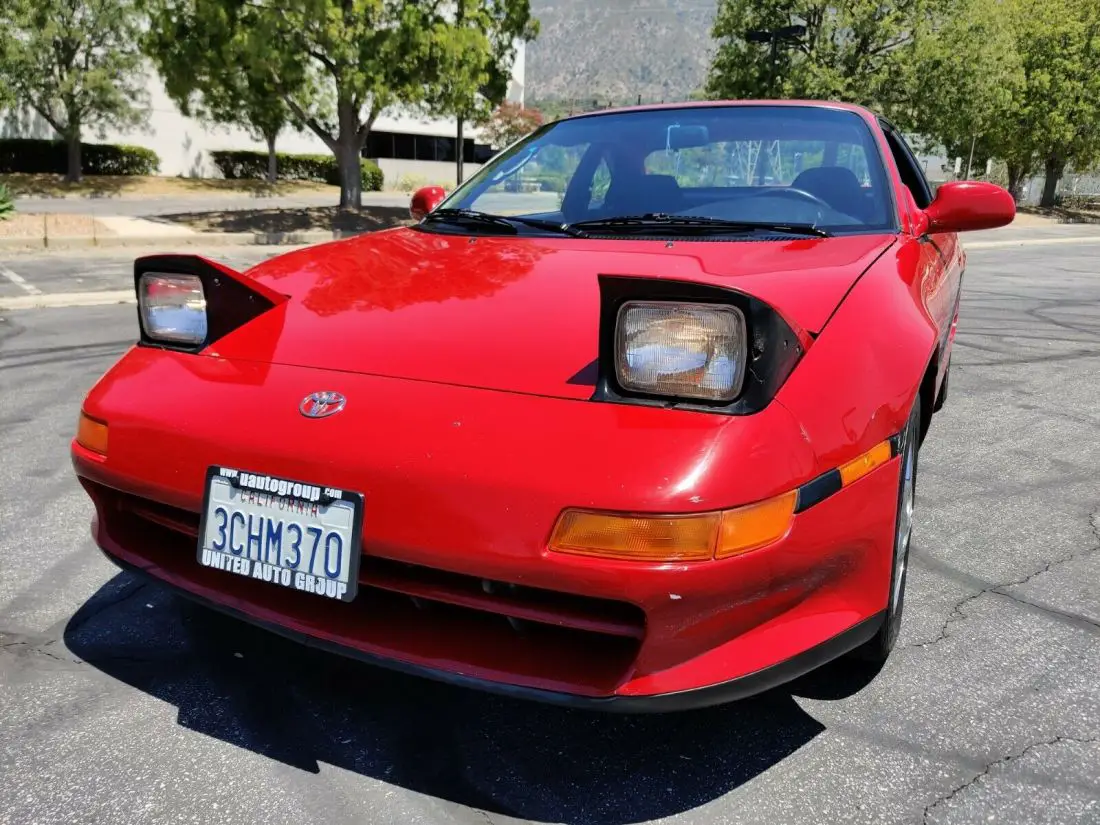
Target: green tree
[
  {"x": 477, "y": 45},
  {"x": 76, "y": 63},
  {"x": 1017, "y": 80},
  {"x": 1058, "y": 116},
  {"x": 852, "y": 50},
  {"x": 338, "y": 64},
  {"x": 201, "y": 65},
  {"x": 960, "y": 80}
]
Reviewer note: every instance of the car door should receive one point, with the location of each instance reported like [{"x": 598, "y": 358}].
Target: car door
[{"x": 942, "y": 258}]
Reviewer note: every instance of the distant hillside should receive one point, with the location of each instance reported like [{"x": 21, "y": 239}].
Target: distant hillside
[{"x": 618, "y": 49}]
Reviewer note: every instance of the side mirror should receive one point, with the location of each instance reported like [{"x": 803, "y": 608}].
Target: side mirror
[
  {"x": 424, "y": 200},
  {"x": 966, "y": 205}
]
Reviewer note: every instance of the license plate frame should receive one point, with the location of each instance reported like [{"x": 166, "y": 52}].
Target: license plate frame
[{"x": 273, "y": 489}]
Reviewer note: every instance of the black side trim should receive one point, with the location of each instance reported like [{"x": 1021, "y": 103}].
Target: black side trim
[
  {"x": 818, "y": 490},
  {"x": 740, "y": 688},
  {"x": 827, "y": 484}
]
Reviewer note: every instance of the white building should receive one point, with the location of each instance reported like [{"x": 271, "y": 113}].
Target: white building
[{"x": 402, "y": 143}]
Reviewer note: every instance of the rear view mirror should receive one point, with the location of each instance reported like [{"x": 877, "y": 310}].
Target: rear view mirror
[
  {"x": 686, "y": 137},
  {"x": 425, "y": 200},
  {"x": 966, "y": 205}
]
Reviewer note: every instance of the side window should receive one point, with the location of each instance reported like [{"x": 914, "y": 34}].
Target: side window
[{"x": 911, "y": 173}]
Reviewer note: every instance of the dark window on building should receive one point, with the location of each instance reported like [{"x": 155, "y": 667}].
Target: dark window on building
[
  {"x": 423, "y": 147},
  {"x": 404, "y": 147}
]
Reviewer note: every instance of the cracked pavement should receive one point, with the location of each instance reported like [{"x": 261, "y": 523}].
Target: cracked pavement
[{"x": 120, "y": 703}]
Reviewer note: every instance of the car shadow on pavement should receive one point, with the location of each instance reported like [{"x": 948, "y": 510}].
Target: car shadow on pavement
[{"x": 250, "y": 688}]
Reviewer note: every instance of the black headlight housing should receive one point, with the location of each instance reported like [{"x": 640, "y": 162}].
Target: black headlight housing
[
  {"x": 231, "y": 299},
  {"x": 772, "y": 347}
]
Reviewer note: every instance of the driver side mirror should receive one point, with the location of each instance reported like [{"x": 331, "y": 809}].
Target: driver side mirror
[
  {"x": 967, "y": 205},
  {"x": 425, "y": 200}
]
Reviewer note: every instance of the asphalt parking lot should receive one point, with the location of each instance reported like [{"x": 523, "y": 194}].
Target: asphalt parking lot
[{"x": 120, "y": 703}]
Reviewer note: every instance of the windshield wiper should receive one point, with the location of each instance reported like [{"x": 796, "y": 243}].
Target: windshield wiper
[
  {"x": 696, "y": 224},
  {"x": 474, "y": 217}
]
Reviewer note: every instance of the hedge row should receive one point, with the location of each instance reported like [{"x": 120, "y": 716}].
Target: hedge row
[
  {"x": 51, "y": 157},
  {"x": 241, "y": 165}
]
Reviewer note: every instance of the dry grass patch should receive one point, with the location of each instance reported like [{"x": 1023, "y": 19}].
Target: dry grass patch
[{"x": 51, "y": 226}]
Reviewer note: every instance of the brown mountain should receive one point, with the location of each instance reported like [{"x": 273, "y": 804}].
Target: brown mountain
[{"x": 614, "y": 50}]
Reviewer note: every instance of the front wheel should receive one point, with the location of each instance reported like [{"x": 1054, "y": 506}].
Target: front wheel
[{"x": 877, "y": 649}]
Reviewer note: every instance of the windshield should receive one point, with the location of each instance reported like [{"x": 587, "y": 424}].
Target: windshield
[{"x": 796, "y": 165}]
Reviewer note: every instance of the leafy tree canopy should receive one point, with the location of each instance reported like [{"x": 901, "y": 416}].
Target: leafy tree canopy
[
  {"x": 76, "y": 63},
  {"x": 850, "y": 50},
  {"x": 207, "y": 74},
  {"x": 337, "y": 64},
  {"x": 1012, "y": 79}
]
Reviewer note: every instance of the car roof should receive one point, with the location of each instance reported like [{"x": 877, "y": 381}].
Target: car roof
[{"x": 865, "y": 113}]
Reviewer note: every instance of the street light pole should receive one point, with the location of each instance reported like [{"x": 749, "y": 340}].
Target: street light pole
[{"x": 787, "y": 35}]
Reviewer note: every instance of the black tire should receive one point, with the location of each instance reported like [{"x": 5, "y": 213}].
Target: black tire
[
  {"x": 877, "y": 649},
  {"x": 941, "y": 399}
]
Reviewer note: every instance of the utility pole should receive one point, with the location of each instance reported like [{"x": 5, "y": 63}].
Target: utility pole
[
  {"x": 787, "y": 35},
  {"x": 460, "y": 17},
  {"x": 458, "y": 151}
]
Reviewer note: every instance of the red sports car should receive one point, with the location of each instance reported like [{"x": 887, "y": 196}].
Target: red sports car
[{"x": 629, "y": 420}]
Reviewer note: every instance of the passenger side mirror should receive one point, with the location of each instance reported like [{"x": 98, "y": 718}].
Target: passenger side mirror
[
  {"x": 967, "y": 205},
  {"x": 425, "y": 200}
]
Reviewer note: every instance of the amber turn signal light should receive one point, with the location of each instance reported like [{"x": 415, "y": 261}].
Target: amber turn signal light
[
  {"x": 91, "y": 434},
  {"x": 674, "y": 538},
  {"x": 857, "y": 468},
  {"x": 754, "y": 526}
]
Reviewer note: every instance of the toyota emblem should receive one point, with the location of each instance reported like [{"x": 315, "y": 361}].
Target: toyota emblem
[{"x": 322, "y": 404}]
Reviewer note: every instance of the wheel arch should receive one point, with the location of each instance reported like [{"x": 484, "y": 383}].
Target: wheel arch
[
  {"x": 928, "y": 391},
  {"x": 856, "y": 384}
]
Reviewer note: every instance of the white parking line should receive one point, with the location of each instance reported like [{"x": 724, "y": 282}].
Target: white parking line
[
  {"x": 1090, "y": 239},
  {"x": 68, "y": 299},
  {"x": 19, "y": 281}
]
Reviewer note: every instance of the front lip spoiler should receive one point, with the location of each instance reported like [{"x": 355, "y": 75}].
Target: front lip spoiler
[{"x": 719, "y": 694}]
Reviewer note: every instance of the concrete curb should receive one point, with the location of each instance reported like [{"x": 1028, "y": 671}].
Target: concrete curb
[{"x": 310, "y": 236}]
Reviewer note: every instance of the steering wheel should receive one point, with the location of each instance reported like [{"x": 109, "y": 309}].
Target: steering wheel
[{"x": 800, "y": 194}]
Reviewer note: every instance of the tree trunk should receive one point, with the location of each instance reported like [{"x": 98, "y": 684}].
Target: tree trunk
[
  {"x": 1054, "y": 169},
  {"x": 272, "y": 160},
  {"x": 348, "y": 145},
  {"x": 1016, "y": 175},
  {"x": 351, "y": 179},
  {"x": 75, "y": 170}
]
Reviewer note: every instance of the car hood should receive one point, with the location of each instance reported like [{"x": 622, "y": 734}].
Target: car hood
[{"x": 517, "y": 314}]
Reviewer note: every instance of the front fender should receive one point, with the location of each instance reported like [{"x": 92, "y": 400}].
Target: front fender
[{"x": 856, "y": 384}]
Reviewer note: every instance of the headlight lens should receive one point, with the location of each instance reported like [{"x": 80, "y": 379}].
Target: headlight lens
[
  {"x": 680, "y": 350},
  {"x": 173, "y": 308}
]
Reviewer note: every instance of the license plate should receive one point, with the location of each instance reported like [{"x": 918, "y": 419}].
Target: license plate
[{"x": 289, "y": 533}]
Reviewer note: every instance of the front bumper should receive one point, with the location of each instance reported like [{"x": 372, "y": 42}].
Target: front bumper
[
  {"x": 740, "y": 687},
  {"x": 462, "y": 489}
]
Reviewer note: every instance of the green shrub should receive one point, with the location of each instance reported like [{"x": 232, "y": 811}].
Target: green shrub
[
  {"x": 7, "y": 203},
  {"x": 33, "y": 156},
  {"x": 552, "y": 181},
  {"x": 371, "y": 178},
  {"x": 248, "y": 165}
]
